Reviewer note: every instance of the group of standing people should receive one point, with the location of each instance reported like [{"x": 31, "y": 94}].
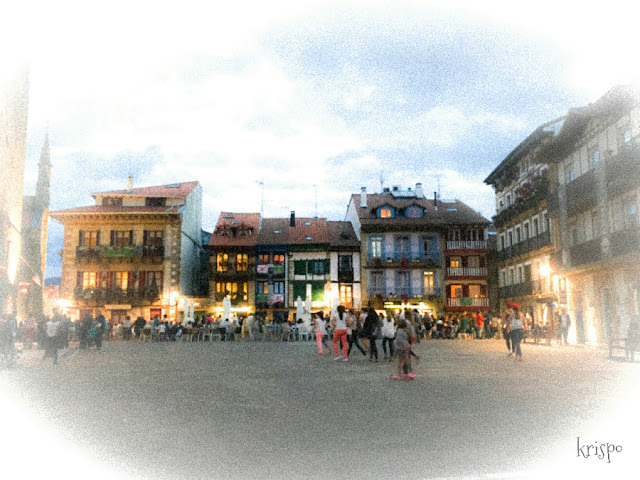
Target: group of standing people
[{"x": 349, "y": 329}]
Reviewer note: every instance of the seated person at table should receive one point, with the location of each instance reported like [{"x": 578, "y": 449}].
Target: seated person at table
[{"x": 225, "y": 327}]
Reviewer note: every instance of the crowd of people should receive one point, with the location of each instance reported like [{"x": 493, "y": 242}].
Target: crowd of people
[{"x": 339, "y": 334}]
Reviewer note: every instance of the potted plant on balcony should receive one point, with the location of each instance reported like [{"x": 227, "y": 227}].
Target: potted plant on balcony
[
  {"x": 78, "y": 293},
  {"x": 151, "y": 292}
]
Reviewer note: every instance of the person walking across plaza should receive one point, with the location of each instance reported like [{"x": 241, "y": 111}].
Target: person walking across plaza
[
  {"x": 402, "y": 348},
  {"x": 321, "y": 331},
  {"x": 388, "y": 334},
  {"x": 339, "y": 323},
  {"x": 565, "y": 322},
  {"x": 51, "y": 346},
  {"x": 506, "y": 332},
  {"x": 370, "y": 329},
  {"x": 479, "y": 320},
  {"x": 516, "y": 323},
  {"x": 353, "y": 335}
]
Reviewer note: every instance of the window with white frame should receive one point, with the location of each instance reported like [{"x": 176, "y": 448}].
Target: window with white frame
[
  {"x": 520, "y": 274},
  {"x": 526, "y": 232}
]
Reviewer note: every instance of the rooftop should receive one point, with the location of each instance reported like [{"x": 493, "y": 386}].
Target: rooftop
[
  {"x": 447, "y": 213},
  {"x": 168, "y": 191}
]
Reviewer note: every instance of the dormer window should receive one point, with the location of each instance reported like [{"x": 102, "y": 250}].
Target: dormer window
[
  {"x": 112, "y": 201},
  {"x": 155, "y": 201},
  {"x": 386, "y": 212},
  {"x": 413, "y": 211},
  {"x": 308, "y": 238},
  {"x": 308, "y": 224}
]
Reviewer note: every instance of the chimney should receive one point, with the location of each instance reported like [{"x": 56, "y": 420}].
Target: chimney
[
  {"x": 292, "y": 222},
  {"x": 419, "y": 192},
  {"x": 363, "y": 197},
  {"x": 130, "y": 184},
  {"x": 435, "y": 200}
]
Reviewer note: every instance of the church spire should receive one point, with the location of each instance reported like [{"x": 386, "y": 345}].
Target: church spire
[{"x": 44, "y": 174}]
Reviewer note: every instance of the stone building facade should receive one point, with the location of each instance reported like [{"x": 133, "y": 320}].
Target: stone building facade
[
  {"x": 595, "y": 172},
  {"x": 126, "y": 255}
]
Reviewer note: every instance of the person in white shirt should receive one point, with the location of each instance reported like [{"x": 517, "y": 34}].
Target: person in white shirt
[
  {"x": 388, "y": 334},
  {"x": 321, "y": 330},
  {"x": 340, "y": 321}
]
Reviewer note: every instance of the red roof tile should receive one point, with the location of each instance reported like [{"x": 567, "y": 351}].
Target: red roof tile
[
  {"x": 169, "y": 191},
  {"x": 236, "y": 229},
  {"x": 309, "y": 230}
]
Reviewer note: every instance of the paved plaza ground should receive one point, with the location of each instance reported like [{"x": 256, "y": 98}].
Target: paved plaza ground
[{"x": 277, "y": 410}]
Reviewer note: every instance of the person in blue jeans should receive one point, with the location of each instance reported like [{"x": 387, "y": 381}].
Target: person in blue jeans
[{"x": 517, "y": 330}]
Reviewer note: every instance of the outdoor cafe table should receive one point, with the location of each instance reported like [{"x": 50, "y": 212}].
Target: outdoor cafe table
[{"x": 271, "y": 330}]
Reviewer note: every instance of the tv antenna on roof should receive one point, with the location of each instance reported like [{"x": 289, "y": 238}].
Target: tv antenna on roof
[
  {"x": 261, "y": 183},
  {"x": 316, "y": 187}
]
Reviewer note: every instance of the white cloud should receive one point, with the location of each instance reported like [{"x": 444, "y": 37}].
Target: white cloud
[{"x": 445, "y": 126}]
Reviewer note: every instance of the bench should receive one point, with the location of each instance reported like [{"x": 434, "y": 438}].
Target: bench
[{"x": 630, "y": 346}]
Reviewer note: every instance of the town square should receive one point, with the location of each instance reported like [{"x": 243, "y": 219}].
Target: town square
[
  {"x": 323, "y": 239},
  {"x": 274, "y": 409}
]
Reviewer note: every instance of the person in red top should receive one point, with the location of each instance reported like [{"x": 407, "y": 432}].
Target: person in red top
[{"x": 479, "y": 324}]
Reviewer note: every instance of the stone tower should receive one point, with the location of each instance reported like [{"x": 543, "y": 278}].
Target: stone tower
[{"x": 34, "y": 240}]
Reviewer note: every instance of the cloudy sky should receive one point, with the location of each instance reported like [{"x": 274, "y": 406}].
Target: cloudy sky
[{"x": 339, "y": 95}]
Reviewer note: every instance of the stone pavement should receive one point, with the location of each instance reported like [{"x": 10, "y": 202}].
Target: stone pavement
[{"x": 277, "y": 410}]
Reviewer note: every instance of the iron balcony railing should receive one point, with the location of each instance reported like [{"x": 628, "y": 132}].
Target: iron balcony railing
[
  {"x": 467, "y": 272},
  {"x": 116, "y": 294},
  {"x": 130, "y": 251},
  {"x": 467, "y": 302},
  {"x": 404, "y": 292},
  {"x": 526, "y": 246},
  {"x": 467, "y": 245}
]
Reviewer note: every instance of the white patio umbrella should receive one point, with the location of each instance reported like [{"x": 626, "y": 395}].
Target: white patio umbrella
[
  {"x": 226, "y": 308},
  {"x": 299, "y": 309},
  {"x": 306, "y": 316}
]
